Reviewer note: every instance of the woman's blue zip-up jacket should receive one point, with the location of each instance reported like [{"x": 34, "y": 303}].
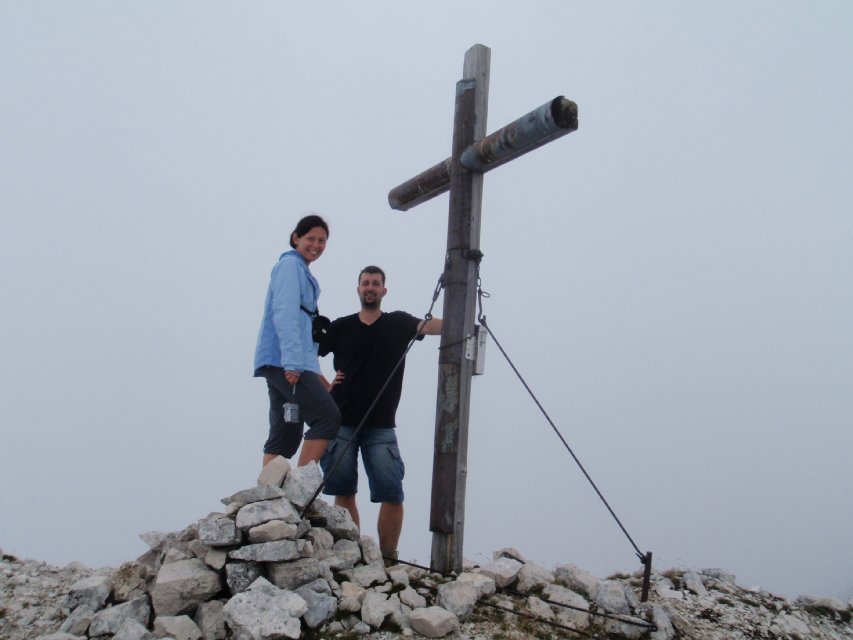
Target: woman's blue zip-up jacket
[{"x": 285, "y": 337}]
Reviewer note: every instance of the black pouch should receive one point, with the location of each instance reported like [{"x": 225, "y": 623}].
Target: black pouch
[
  {"x": 320, "y": 327},
  {"x": 319, "y": 324}
]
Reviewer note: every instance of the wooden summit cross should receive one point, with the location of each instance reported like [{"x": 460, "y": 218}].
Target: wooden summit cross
[{"x": 474, "y": 153}]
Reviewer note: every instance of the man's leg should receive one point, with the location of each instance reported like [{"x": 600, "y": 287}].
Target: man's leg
[
  {"x": 389, "y": 526},
  {"x": 348, "y": 503},
  {"x": 385, "y": 471},
  {"x": 340, "y": 468}
]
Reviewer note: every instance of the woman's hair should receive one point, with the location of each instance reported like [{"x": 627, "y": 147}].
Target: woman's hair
[{"x": 305, "y": 225}]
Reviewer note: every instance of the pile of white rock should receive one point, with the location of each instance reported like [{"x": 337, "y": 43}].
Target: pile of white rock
[{"x": 259, "y": 570}]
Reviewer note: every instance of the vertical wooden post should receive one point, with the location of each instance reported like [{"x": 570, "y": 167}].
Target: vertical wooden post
[{"x": 447, "y": 513}]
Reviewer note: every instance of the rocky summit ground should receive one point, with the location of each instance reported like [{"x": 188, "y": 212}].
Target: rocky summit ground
[
  {"x": 34, "y": 604},
  {"x": 259, "y": 570}
]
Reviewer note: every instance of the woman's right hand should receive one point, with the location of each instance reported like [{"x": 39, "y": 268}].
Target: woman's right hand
[{"x": 292, "y": 376}]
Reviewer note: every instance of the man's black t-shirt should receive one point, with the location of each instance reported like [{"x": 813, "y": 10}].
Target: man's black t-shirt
[{"x": 367, "y": 354}]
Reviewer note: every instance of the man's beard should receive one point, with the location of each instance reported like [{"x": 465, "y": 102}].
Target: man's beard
[{"x": 373, "y": 304}]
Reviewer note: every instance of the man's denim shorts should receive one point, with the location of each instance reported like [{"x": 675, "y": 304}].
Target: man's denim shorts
[{"x": 382, "y": 463}]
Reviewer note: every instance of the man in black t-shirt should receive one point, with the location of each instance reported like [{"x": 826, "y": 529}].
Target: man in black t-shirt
[{"x": 367, "y": 346}]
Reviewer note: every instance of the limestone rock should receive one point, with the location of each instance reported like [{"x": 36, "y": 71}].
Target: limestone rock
[
  {"x": 133, "y": 630},
  {"x": 256, "y": 494},
  {"x": 503, "y": 571},
  {"x": 433, "y": 622},
  {"x": 177, "y": 627},
  {"x": 130, "y": 581},
  {"x": 485, "y": 585},
  {"x": 258, "y": 513},
  {"x": 457, "y": 597},
  {"x": 265, "y": 612},
  {"x": 301, "y": 483},
  {"x": 92, "y": 591},
  {"x": 338, "y": 521},
  {"x": 576, "y": 579},
  {"x": 276, "y": 551},
  {"x": 273, "y": 530},
  {"x": 181, "y": 586},
  {"x": 274, "y": 472},
  {"x": 240, "y": 575},
  {"x": 218, "y": 530},
  {"x": 292, "y": 575},
  {"x": 532, "y": 575},
  {"x": 375, "y": 609},
  {"x": 108, "y": 621},
  {"x": 211, "y": 620}
]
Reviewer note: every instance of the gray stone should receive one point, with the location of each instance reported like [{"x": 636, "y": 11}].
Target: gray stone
[
  {"x": 433, "y": 622},
  {"x": 181, "y": 586},
  {"x": 256, "y": 494},
  {"x": 211, "y": 620},
  {"x": 532, "y": 575},
  {"x": 539, "y": 609},
  {"x": 610, "y": 596},
  {"x": 399, "y": 576},
  {"x": 485, "y": 585},
  {"x": 576, "y": 579},
  {"x": 294, "y": 574},
  {"x": 218, "y": 530},
  {"x": 509, "y": 552},
  {"x": 693, "y": 582},
  {"x": 458, "y": 598},
  {"x": 301, "y": 483},
  {"x": 343, "y": 555},
  {"x": 258, "y": 513},
  {"x": 661, "y": 619},
  {"x": 338, "y": 521},
  {"x": 216, "y": 558},
  {"x": 92, "y": 591},
  {"x": 133, "y": 630},
  {"x": 351, "y": 596},
  {"x": 322, "y": 607},
  {"x": 265, "y": 612},
  {"x": 321, "y": 539},
  {"x": 274, "y": 472},
  {"x": 198, "y": 548},
  {"x": 412, "y": 598},
  {"x": 174, "y": 555},
  {"x": 130, "y": 581},
  {"x": 576, "y": 617},
  {"x": 108, "y": 621},
  {"x": 503, "y": 571},
  {"x": 369, "y": 549},
  {"x": 400, "y": 614},
  {"x": 239, "y": 575},
  {"x": 273, "y": 530},
  {"x": 305, "y": 548},
  {"x": 177, "y": 627},
  {"x": 78, "y": 622},
  {"x": 156, "y": 539},
  {"x": 369, "y": 574},
  {"x": 276, "y": 551},
  {"x": 375, "y": 609}
]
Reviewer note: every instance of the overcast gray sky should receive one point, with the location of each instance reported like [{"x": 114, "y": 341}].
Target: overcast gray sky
[{"x": 673, "y": 279}]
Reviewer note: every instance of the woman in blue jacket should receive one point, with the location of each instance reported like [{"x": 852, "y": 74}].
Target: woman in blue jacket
[{"x": 286, "y": 354}]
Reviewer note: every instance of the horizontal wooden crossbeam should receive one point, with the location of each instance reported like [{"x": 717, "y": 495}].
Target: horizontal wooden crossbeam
[{"x": 552, "y": 120}]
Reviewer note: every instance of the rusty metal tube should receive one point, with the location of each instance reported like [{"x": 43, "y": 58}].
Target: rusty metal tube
[{"x": 552, "y": 120}]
